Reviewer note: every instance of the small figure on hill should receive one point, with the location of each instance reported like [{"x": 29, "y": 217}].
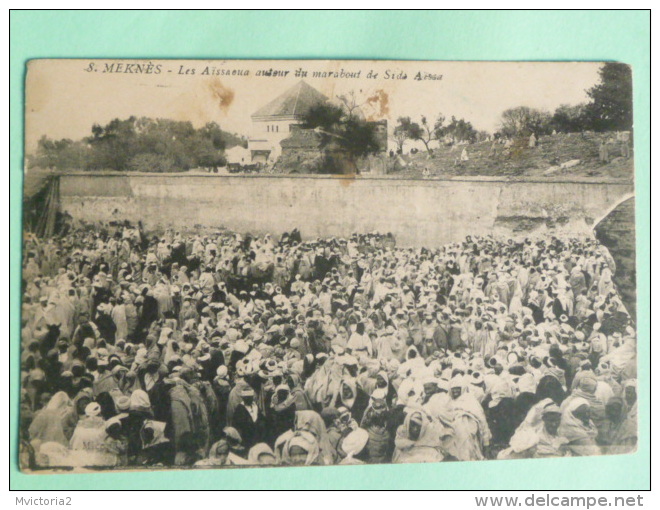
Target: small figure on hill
[
  {"x": 624, "y": 138},
  {"x": 603, "y": 152},
  {"x": 532, "y": 141}
]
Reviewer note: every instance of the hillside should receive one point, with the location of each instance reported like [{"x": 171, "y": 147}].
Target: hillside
[{"x": 543, "y": 160}]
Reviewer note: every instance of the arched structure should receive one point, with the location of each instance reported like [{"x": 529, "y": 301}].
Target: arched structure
[{"x": 616, "y": 231}]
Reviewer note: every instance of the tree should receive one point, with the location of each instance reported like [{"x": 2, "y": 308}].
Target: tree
[
  {"x": 148, "y": 162},
  {"x": 482, "y": 136},
  {"x": 62, "y": 154},
  {"x": 114, "y": 144},
  {"x": 350, "y": 105},
  {"x": 439, "y": 127},
  {"x": 400, "y": 134},
  {"x": 344, "y": 135},
  {"x": 523, "y": 121},
  {"x": 207, "y": 148},
  {"x": 139, "y": 144},
  {"x": 611, "y": 99},
  {"x": 460, "y": 130},
  {"x": 422, "y": 131},
  {"x": 570, "y": 119},
  {"x": 214, "y": 134},
  {"x": 426, "y": 133},
  {"x": 359, "y": 138},
  {"x": 324, "y": 116}
]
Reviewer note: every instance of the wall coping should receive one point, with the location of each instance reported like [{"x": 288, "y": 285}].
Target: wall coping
[{"x": 476, "y": 178}]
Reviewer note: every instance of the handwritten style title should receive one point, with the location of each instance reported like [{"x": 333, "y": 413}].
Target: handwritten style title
[{"x": 268, "y": 72}]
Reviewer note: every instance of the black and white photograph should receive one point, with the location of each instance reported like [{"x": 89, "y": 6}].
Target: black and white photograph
[{"x": 258, "y": 263}]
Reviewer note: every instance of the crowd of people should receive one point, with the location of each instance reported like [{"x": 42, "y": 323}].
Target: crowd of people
[{"x": 222, "y": 349}]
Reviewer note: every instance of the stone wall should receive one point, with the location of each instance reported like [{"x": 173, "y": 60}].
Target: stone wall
[{"x": 427, "y": 212}]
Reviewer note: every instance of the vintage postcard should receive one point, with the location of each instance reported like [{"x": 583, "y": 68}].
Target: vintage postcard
[{"x": 242, "y": 263}]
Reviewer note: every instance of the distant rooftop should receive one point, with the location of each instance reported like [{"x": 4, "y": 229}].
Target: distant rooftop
[{"x": 295, "y": 102}]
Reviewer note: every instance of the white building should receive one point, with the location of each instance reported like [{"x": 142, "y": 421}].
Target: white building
[
  {"x": 238, "y": 154},
  {"x": 272, "y": 122}
]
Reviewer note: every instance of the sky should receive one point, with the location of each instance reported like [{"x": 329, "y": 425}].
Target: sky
[{"x": 64, "y": 98}]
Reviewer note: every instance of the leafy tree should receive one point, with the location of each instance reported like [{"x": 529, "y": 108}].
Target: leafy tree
[
  {"x": 148, "y": 162},
  {"x": 422, "y": 131},
  {"x": 139, "y": 144},
  {"x": 114, "y": 144},
  {"x": 611, "y": 99},
  {"x": 426, "y": 133},
  {"x": 212, "y": 132},
  {"x": 325, "y": 116},
  {"x": 400, "y": 134},
  {"x": 459, "y": 130},
  {"x": 359, "y": 137},
  {"x": 205, "y": 152},
  {"x": 570, "y": 119},
  {"x": 344, "y": 135},
  {"x": 62, "y": 154},
  {"x": 523, "y": 121},
  {"x": 482, "y": 135}
]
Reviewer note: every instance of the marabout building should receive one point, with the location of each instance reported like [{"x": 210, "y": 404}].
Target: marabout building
[{"x": 274, "y": 122}]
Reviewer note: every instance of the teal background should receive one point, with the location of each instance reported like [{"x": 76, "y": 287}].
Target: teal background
[{"x": 415, "y": 35}]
